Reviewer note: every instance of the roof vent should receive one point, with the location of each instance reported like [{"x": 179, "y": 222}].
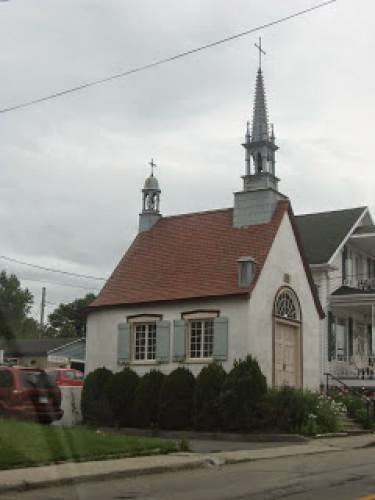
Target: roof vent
[{"x": 246, "y": 271}]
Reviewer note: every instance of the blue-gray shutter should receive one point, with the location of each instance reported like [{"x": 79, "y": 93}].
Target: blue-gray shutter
[
  {"x": 220, "y": 347},
  {"x": 123, "y": 343},
  {"x": 179, "y": 340},
  {"x": 163, "y": 334}
]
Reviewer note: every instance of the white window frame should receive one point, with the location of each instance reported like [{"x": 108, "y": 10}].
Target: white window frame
[
  {"x": 145, "y": 321},
  {"x": 199, "y": 316},
  {"x": 203, "y": 339}
]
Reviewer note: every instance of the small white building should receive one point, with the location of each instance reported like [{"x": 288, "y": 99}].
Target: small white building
[{"x": 215, "y": 285}]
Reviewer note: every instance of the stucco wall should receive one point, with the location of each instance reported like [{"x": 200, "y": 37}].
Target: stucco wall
[
  {"x": 284, "y": 257},
  {"x": 102, "y": 332}
]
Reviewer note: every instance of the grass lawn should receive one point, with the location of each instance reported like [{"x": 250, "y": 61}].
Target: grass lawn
[{"x": 25, "y": 444}]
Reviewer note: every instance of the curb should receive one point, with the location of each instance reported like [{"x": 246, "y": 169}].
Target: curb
[
  {"x": 73, "y": 473},
  {"x": 75, "y": 478},
  {"x": 215, "y": 436}
]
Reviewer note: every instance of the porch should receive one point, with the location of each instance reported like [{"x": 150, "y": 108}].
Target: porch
[{"x": 351, "y": 336}]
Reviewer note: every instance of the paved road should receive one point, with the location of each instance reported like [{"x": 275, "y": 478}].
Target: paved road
[{"x": 346, "y": 475}]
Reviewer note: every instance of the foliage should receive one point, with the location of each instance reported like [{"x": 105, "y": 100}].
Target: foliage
[
  {"x": 358, "y": 408},
  {"x": 15, "y": 304},
  {"x": 69, "y": 320},
  {"x": 243, "y": 391},
  {"x": 327, "y": 413},
  {"x": 146, "y": 404},
  {"x": 176, "y": 400},
  {"x": 29, "y": 444},
  {"x": 121, "y": 391},
  {"x": 95, "y": 406},
  {"x": 208, "y": 388},
  {"x": 287, "y": 409}
]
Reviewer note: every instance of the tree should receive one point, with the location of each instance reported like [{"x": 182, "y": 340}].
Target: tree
[
  {"x": 69, "y": 320},
  {"x": 15, "y": 304}
]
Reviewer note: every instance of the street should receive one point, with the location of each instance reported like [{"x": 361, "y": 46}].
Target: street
[{"x": 347, "y": 475}]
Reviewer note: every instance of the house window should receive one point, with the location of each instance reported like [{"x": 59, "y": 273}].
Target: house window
[
  {"x": 144, "y": 341},
  {"x": 201, "y": 337}
]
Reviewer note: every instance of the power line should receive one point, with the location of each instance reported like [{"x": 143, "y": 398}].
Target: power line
[
  {"x": 159, "y": 62},
  {"x": 51, "y": 270},
  {"x": 68, "y": 285}
]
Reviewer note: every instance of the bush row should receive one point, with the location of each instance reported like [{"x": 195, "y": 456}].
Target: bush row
[{"x": 214, "y": 400}]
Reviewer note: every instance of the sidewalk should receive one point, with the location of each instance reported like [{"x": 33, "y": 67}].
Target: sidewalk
[{"x": 35, "y": 477}]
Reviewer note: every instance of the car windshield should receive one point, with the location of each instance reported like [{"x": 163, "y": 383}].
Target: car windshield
[{"x": 38, "y": 379}]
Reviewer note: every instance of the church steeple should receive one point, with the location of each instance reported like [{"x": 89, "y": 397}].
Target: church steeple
[
  {"x": 256, "y": 203},
  {"x": 260, "y": 145}
]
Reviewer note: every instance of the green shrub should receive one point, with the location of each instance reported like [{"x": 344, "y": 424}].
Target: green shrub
[
  {"x": 121, "y": 394},
  {"x": 176, "y": 400},
  {"x": 243, "y": 391},
  {"x": 328, "y": 414},
  {"x": 94, "y": 402},
  {"x": 288, "y": 409},
  {"x": 208, "y": 387},
  {"x": 146, "y": 404}
]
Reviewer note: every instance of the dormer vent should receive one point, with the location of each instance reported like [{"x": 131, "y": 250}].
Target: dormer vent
[{"x": 246, "y": 271}]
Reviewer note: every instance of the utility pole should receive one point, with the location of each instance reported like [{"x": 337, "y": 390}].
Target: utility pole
[{"x": 42, "y": 308}]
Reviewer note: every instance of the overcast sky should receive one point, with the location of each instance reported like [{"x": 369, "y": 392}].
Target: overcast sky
[{"x": 71, "y": 169}]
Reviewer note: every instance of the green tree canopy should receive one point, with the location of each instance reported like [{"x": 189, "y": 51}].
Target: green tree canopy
[
  {"x": 15, "y": 304},
  {"x": 69, "y": 320}
]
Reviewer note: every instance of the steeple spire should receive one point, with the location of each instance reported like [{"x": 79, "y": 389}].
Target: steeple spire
[
  {"x": 260, "y": 119},
  {"x": 260, "y": 145}
]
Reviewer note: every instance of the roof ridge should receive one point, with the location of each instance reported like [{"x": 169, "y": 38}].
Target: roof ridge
[
  {"x": 332, "y": 211},
  {"x": 196, "y": 213}
]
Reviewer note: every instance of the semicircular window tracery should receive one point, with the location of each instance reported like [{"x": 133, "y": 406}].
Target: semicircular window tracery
[{"x": 286, "y": 305}]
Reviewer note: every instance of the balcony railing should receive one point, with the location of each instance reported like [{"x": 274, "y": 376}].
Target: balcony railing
[{"x": 367, "y": 284}]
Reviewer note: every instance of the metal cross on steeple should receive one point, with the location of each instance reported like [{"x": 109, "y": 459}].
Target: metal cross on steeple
[
  {"x": 152, "y": 165},
  {"x": 261, "y": 51}
]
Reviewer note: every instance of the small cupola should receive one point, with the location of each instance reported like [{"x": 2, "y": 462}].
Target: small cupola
[{"x": 150, "y": 201}]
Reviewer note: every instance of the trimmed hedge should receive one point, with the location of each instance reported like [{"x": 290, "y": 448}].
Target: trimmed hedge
[
  {"x": 95, "y": 406},
  {"x": 244, "y": 389},
  {"x": 176, "y": 400},
  {"x": 146, "y": 404},
  {"x": 208, "y": 388},
  {"x": 121, "y": 391}
]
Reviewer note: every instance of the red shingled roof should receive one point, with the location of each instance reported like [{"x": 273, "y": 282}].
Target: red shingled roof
[{"x": 189, "y": 256}]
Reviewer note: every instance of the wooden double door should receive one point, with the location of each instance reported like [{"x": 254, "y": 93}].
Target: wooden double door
[{"x": 287, "y": 359}]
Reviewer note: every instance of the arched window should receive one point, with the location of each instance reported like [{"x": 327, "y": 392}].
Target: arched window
[{"x": 286, "y": 305}]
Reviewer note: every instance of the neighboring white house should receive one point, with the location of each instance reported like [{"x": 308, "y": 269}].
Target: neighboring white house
[
  {"x": 340, "y": 247},
  {"x": 214, "y": 285}
]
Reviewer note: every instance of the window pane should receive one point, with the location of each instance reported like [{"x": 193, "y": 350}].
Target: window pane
[
  {"x": 196, "y": 339},
  {"x": 140, "y": 342},
  {"x": 151, "y": 344},
  {"x": 208, "y": 338}
]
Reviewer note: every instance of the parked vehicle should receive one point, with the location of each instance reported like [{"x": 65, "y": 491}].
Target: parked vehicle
[
  {"x": 66, "y": 376},
  {"x": 29, "y": 393}
]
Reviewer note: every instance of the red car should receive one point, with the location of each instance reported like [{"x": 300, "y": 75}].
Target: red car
[
  {"x": 29, "y": 393},
  {"x": 66, "y": 376}
]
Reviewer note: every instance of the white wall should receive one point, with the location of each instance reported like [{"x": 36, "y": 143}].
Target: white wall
[
  {"x": 102, "y": 332},
  {"x": 284, "y": 257}
]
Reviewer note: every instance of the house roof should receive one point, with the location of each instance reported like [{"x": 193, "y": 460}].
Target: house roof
[
  {"x": 188, "y": 256},
  {"x": 322, "y": 233},
  {"x": 72, "y": 350},
  {"x": 30, "y": 347},
  {"x": 191, "y": 256}
]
